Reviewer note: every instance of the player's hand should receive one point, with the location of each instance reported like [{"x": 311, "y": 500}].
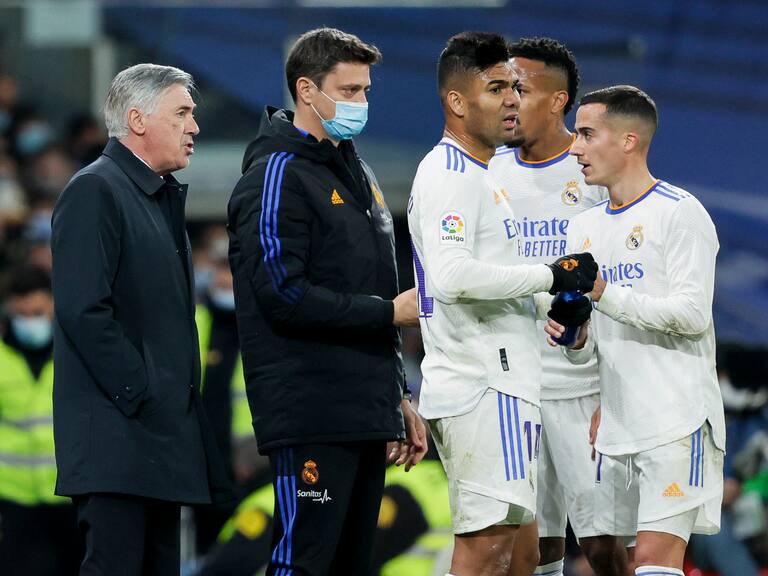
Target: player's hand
[
  {"x": 412, "y": 450},
  {"x": 556, "y": 330},
  {"x": 573, "y": 313},
  {"x": 598, "y": 289},
  {"x": 406, "y": 309},
  {"x": 573, "y": 272},
  {"x": 593, "y": 426},
  {"x": 553, "y": 330}
]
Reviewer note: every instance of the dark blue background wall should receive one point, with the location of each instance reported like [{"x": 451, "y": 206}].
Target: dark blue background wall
[{"x": 704, "y": 62}]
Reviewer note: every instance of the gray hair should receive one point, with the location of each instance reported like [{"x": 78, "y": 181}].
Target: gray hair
[{"x": 139, "y": 87}]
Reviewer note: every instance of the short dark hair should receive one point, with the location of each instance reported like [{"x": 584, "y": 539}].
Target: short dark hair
[
  {"x": 26, "y": 280},
  {"x": 470, "y": 52},
  {"x": 625, "y": 100},
  {"x": 552, "y": 53},
  {"x": 316, "y": 53}
]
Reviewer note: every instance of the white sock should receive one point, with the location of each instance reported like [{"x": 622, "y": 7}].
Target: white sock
[
  {"x": 551, "y": 569},
  {"x": 657, "y": 571}
]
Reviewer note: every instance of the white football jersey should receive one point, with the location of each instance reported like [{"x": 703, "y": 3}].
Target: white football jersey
[
  {"x": 477, "y": 312},
  {"x": 544, "y": 196},
  {"x": 653, "y": 328}
]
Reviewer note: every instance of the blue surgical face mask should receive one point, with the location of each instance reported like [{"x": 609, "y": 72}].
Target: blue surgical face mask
[
  {"x": 32, "y": 332},
  {"x": 33, "y": 138},
  {"x": 349, "y": 120},
  {"x": 223, "y": 299},
  {"x": 38, "y": 228}
]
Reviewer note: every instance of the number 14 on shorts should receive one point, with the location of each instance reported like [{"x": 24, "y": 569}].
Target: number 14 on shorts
[{"x": 515, "y": 433}]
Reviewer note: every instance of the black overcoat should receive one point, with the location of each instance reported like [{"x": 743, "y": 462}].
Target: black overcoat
[{"x": 127, "y": 412}]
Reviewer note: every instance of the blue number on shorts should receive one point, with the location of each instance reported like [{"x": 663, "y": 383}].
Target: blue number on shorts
[
  {"x": 426, "y": 303},
  {"x": 533, "y": 447}
]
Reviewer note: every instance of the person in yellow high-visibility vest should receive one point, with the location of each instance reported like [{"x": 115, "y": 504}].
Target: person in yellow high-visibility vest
[
  {"x": 244, "y": 543},
  {"x": 223, "y": 385},
  {"x": 37, "y": 529},
  {"x": 414, "y": 535}
]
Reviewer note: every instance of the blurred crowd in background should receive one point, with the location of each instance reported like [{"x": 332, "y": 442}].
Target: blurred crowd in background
[{"x": 36, "y": 161}]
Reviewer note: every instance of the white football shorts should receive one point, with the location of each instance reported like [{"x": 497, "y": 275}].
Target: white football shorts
[
  {"x": 667, "y": 484},
  {"x": 490, "y": 455}
]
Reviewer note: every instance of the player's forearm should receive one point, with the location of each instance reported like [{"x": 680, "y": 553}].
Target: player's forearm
[
  {"x": 543, "y": 302},
  {"x": 583, "y": 354},
  {"x": 468, "y": 278},
  {"x": 687, "y": 315}
]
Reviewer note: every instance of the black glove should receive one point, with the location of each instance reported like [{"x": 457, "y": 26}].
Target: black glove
[
  {"x": 570, "y": 312},
  {"x": 573, "y": 272}
]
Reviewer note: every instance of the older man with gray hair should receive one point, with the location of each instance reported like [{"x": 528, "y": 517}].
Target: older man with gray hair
[{"x": 132, "y": 441}]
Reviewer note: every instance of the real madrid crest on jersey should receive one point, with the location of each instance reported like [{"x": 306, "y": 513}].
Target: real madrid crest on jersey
[
  {"x": 572, "y": 193},
  {"x": 635, "y": 238},
  {"x": 310, "y": 474}
]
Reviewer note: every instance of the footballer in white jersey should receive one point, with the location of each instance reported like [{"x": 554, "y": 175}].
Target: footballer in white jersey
[
  {"x": 477, "y": 312},
  {"x": 544, "y": 196},
  {"x": 478, "y": 316},
  {"x": 478, "y": 324},
  {"x": 655, "y": 342},
  {"x": 662, "y": 414},
  {"x": 545, "y": 190},
  {"x": 654, "y": 335}
]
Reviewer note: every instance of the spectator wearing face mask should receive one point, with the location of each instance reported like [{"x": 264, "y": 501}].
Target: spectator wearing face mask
[
  {"x": 37, "y": 527},
  {"x": 29, "y": 133},
  {"x": 223, "y": 384},
  {"x": 206, "y": 243}
]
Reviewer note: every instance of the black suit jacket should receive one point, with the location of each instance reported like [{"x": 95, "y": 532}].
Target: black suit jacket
[{"x": 127, "y": 412}]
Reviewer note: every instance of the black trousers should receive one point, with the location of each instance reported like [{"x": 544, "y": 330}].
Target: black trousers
[
  {"x": 128, "y": 536},
  {"x": 327, "y": 499},
  {"x": 38, "y": 540}
]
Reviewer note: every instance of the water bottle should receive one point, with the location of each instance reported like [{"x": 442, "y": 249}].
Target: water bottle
[{"x": 571, "y": 332}]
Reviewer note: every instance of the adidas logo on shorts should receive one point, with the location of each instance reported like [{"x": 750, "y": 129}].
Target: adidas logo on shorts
[{"x": 672, "y": 491}]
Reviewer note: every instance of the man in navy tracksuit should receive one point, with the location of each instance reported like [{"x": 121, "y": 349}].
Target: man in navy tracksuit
[{"x": 313, "y": 256}]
